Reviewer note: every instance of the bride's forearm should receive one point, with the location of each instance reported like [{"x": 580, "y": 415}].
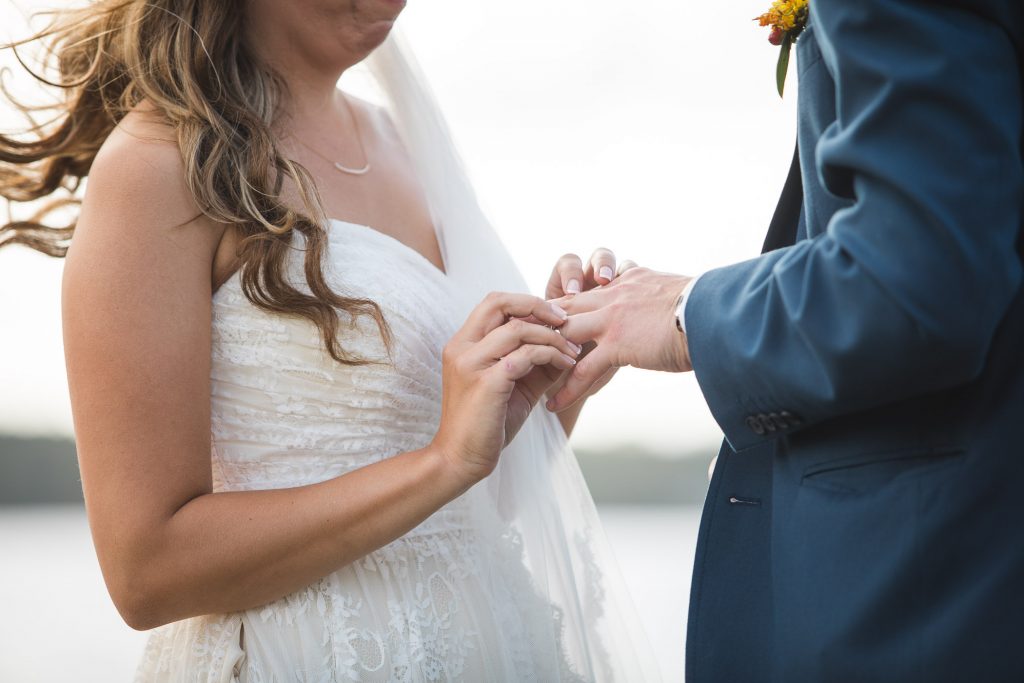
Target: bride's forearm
[{"x": 228, "y": 551}]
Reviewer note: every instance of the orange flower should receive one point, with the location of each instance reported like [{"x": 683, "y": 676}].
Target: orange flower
[{"x": 787, "y": 19}]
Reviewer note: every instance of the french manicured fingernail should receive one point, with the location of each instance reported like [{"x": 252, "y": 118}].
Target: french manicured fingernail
[
  {"x": 559, "y": 311},
  {"x": 550, "y": 405},
  {"x": 606, "y": 272},
  {"x": 573, "y": 287},
  {"x": 570, "y": 359},
  {"x": 574, "y": 347}
]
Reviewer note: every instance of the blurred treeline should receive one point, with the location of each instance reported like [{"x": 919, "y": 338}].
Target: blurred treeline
[{"x": 44, "y": 470}]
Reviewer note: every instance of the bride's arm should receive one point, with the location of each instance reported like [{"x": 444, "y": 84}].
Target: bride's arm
[{"x": 137, "y": 315}]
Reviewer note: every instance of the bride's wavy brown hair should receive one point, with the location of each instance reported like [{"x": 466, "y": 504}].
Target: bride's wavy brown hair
[{"x": 187, "y": 58}]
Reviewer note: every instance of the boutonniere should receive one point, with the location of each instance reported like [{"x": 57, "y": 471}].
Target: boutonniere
[{"x": 787, "y": 19}]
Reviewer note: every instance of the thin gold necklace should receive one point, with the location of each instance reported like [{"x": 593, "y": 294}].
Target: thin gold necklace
[{"x": 359, "y": 138}]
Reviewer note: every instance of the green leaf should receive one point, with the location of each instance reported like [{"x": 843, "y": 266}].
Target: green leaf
[{"x": 783, "y": 66}]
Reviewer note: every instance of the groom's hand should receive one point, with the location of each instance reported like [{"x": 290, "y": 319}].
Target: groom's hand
[{"x": 632, "y": 321}]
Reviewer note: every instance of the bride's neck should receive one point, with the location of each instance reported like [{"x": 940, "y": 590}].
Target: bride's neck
[
  {"x": 310, "y": 105},
  {"x": 311, "y": 98}
]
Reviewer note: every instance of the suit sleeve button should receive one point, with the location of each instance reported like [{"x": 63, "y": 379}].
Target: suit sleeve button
[
  {"x": 793, "y": 420},
  {"x": 755, "y": 425},
  {"x": 778, "y": 420}
]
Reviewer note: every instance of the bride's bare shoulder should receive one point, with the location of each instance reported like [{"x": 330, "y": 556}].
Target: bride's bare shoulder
[
  {"x": 140, "y": 159},
  {"x": 136, "y": 193}
]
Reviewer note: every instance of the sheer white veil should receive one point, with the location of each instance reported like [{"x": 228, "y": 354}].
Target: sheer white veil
[{"x": 536, "y": 505}]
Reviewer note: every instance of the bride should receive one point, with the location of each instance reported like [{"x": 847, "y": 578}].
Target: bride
[{"x": 290, "y": 383}]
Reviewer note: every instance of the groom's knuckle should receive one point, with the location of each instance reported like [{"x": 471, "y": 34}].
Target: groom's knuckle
[
  {"x": 618, "y": 306},
  {"x": 614, "y": 328},
  {"x": 627, "y": 291},
  {"x": 627, "y": 287}
]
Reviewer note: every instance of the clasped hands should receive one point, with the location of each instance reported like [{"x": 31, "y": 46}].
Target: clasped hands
[
  {"x": 514, "y": 350},
  {"x": 621, "y": 315}
]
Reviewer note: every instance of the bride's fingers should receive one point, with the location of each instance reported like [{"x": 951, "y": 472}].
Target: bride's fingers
[
  {"x": 515, "y": 333},
  {"x": 626, "y": 265},
  {"x": 566, "y": 278},
  {"x": 585, "y": 375},
  {"x": 520, "y": 362},
  {"x": 497, "y": 307},
  {"x": 601, "y": 269}
]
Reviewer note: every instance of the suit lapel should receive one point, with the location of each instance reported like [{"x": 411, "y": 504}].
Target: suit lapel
[{"x": 783, "y": 228}]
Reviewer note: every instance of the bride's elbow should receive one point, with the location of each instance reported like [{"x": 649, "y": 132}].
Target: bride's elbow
[
  {"x": 139, "y": 605},
  {"x": 139, "y": 618},
  {"x": 145, "y": 596}
]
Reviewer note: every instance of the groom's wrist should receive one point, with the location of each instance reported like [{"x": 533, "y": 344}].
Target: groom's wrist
[
  {"x": 678, "y": 355},
  {"x": 684, "y": 297}
]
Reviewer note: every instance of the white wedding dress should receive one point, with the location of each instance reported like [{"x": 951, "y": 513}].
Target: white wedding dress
[
  {"x": 422, "y": 608},
  {"x": 510, "y": 582}
]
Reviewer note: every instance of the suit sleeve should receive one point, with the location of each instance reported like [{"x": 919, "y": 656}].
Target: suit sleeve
[{"x": 902, "y": 292}]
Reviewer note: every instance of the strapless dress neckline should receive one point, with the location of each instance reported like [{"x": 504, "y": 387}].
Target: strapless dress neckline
[{"x": 338, "y": 225}]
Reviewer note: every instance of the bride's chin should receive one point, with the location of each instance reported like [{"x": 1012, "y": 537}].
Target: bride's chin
[{"x": 376, "y": 33}]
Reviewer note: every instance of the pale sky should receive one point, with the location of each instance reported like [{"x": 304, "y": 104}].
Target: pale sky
[{"x": 651, "y": 127}]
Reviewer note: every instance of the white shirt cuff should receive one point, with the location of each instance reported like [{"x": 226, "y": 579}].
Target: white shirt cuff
[{"x": 685, "y": 298}]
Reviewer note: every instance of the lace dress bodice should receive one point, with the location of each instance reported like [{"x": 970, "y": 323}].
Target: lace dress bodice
[
  {"x": 285, "y": 413},
  {"x": 425, "y": 607}
]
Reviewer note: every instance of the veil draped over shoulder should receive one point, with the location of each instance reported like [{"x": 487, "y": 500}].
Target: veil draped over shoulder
[{"x": 536, "y": 504}]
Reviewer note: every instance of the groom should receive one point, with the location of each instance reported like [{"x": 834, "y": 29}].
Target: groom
[{"x": 865, "y": 520}]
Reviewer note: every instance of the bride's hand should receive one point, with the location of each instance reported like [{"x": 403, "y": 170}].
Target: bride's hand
[
  {"x": 489, "y": 383},
  {"x": 570, "y": 276}
]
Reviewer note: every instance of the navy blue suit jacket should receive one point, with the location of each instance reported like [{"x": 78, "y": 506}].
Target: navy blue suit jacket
[{"x": 865, "y": 521}]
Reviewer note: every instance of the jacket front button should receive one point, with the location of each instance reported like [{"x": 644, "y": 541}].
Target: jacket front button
[{"x": 755, "y": 424}]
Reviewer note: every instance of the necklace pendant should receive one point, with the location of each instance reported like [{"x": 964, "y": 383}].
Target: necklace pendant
[{"x": 352, "y": 171}]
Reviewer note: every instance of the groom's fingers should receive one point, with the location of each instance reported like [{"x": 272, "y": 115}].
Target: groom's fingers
[
  {"x": 587, "y": 301},
  {"x": 584, "y": 327},
  {"x": 566, "y": 278},
  {"x": 594, "y": 366},
  {"x": 601, "y": 269}
]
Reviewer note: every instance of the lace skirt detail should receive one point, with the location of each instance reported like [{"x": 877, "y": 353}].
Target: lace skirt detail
[{"x": 428, "y": 607}]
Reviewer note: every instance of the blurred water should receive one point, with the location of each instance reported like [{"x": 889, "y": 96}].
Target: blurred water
[{"x": 58, "y": 623}]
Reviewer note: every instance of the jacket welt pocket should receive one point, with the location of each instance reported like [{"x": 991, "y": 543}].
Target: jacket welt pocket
[{"x": 866, "y": 473}]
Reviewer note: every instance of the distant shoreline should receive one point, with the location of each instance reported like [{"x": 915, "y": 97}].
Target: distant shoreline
[{"x": 44, "y": 471}]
